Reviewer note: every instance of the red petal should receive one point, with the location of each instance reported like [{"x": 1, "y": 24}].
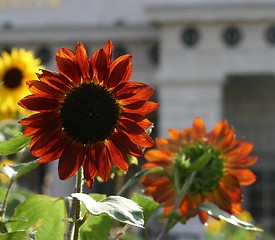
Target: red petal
[
  {"x": 244, "y": 162},
  {"x": 245, "y": 176},
  {"x": 227, "y": 141},
  {"x": 116, "y": 156},
  {"x": 82, "y": 61},
  {"x": 142, "y": 107},
  {"x": 127, "y": 89},
  {"x": 142, "y": 94},
  {"x": 40, "y": 140},
  {"x": 103, "y": 162},
  {"x": 56, "y": 81},
  {"x": 155, "y": 155},
  {"x": 70, "y": 160},
  {"x": 39, "y": 120},
  {"x": 145, "y": 124},
  {"x": 217, "y": 198},
  {"x": 38, "y": 103},
  {"x": 66, "y": 53},
  {"x": 108, "y": 49},
  {"x": 198, "y": 130},
  {"x": 141, "y": 140},
  {"x": 66, "y": 66},
  {"x": 125, "y": 145},
  {"x": 51, "y": 156},
  {"x": 240, "y": 150},
  {"x": 43, "y": 89},
  {"x": 90, "y": 169},
  {"x": 231, "y": 188},
  {"x": 174, "y": 134},
  {"x": 203, "y": 216},
  {"x": 100, "y": 64},
  {"x": 132, "y": 116},
  {"x": 29, "y": 131},
  {"x": 130, "y": 127},
  {"x": 120, "y": 71},
  {"x": 40, "y": 147}
]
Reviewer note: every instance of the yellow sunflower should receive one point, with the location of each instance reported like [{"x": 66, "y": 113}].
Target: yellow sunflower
[
  {"x": 15, "y": 69},
  {"x": 4, "y": 179}
]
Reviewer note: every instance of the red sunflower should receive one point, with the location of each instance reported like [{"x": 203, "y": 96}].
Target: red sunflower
[
  {"x": 89, "y": 113},
  {"x": 219, "y": 181}
]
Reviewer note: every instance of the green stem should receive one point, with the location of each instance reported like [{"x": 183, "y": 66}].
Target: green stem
[
  {"x": 4, "y": 204},
  {"x": 180, "y": 195},
  {"x": 76, "y": 203}
]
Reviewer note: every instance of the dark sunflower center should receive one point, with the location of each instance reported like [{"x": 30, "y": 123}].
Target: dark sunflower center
[
  {"x": 89, "y": 113},
  {"x": 13, "y": 78},
  {"x": 207, "y": 178}
]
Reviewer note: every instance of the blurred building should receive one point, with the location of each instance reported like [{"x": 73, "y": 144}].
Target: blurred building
[{"x": 208, "y": 58}]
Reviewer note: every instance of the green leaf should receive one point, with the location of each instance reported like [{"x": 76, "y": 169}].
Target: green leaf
[
  {"x": 215, "y": 211},
  {"x": 148, "y": 205},
  {"x": 14, "y": 144},
  {"x": 45, "y": 217},
  {"x": 16, "y": 171},
  {"x": 137, "y": 176},
  {"x": 96, "y": 227},
  {"x": 119, "y": 208},
  {"x": 16, "y": 196},
  {"x": 22, "y": 235}
]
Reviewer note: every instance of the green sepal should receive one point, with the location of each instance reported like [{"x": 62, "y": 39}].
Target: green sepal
[{"x": 200, "y": 162}]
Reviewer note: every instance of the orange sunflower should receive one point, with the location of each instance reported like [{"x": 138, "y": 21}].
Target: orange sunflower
[
  {"x": 89, "y": 113},
  {"x": 218, "y": 181}
]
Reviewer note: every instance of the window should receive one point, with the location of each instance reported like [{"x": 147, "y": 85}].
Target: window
[{"x": 249, "y": 105}]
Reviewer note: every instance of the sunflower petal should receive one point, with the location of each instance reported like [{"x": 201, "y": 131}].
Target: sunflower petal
[
  {"x": 65, "y": 62},
  {"x": 103, "y": 161},
  {"x": 55, "y": 81},
  {"x": 38, "y": 87},
  {"x": 39, "y": 103},
  {"x": 70, "y": 160},
  {"x": 198, "y": 131},
  {"x": 101, "y": 64},
  {"x": 125, "y": 145},
  {"x": 120, "y": 71},
  {"x": 245, "y": 176},
  {"x": 117, "y": 157},
  {"x": 82, "y": 61}
]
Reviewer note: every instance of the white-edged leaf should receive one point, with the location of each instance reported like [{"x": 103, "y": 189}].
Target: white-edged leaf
[
  {"x": 117, "y": 207},
  {"x": 16, "y": 171},
  {"x": 215, "y": 211}
]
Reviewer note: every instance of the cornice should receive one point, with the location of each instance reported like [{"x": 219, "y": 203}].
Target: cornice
[
  {"x": 165, "y": 12},
  {"x": 76, "y": 33}
]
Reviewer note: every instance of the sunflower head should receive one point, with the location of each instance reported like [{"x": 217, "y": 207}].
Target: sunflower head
[
  {"x": 88, "y": 114},
  {"x": 16, "y": 68},
  {"x": 218, "y": 159}
]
